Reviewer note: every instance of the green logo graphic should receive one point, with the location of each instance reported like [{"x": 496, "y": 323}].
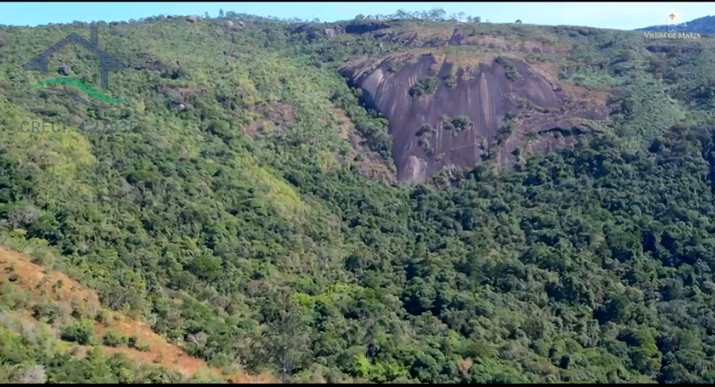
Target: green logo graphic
[
  {"x": 107, "y": 63},
  {"x": 90, "y": 90}
]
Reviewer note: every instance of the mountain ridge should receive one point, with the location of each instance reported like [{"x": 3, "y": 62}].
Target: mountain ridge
[
  {"x": 702, "y": 25},
  {"x": 244, "y": 199}
]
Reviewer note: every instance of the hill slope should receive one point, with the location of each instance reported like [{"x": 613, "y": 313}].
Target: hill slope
[
  {"x": 39, "y": 308},
  {"x": 248, "y": 199},
  {"x": 42, "y": 301},
  {"x": 702, "y": 25}
]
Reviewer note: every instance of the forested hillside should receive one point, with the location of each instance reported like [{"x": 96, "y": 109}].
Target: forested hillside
[
  {"x": 702, "y": 25},
  {"x": 239, "y": 192}
]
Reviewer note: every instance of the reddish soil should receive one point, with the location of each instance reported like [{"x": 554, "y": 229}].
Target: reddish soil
[{"x": 19, "y": 269}]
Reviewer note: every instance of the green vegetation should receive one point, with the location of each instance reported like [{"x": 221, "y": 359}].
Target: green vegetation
[
  {"x": 590, "y": 78},
  {"x": 425, "y": 86},
  {"x": 33, "y": 357},
  {"x": 507, "y": 127},
  {"x": 113, "y": 339},
  {"x": 80, "y": 332},
  {"x": 32, "y": 351},
  {"x": 456, "y": 124},
  {"x": 227, "y": 213},
  {"x": 510, "y": 70}
]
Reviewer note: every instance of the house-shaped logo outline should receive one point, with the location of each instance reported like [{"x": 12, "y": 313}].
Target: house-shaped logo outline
[{"x": 107, "y": 62}]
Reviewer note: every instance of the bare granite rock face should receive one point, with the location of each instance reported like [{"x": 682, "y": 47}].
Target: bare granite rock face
[{"x": 446, "y": 117}]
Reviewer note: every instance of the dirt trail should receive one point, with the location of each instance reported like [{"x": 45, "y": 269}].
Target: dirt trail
[{"x": 19, "y": 269}]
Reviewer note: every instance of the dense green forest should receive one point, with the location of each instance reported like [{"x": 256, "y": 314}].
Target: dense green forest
[{"x": 223, "y": 204}]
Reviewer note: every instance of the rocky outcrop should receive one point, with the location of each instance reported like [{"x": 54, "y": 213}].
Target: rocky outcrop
[
  {"x": 234, "y": 26},
  {"x": 64, "y": 69},
  {"x": 331, "y": 32},
  {"x": 361, "y": 27},
  {"x": 180, "y": 98},
  {"x": 444, "y": 117}
]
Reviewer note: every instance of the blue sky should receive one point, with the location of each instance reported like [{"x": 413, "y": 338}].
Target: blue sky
[{"x": 617, "y": 15}]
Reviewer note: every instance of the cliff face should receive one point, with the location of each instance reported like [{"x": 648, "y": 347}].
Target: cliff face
[{"x": 445, "y": 116}]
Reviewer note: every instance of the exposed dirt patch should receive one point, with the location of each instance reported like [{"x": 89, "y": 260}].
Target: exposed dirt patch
[
  {"x": 18, "y": 268},
  {"x": 281, "y": 114},
  {"x": 160, "y": 351},
  {"x": 20, "y": 271},
  {"x": 271, "y": 119},
  {"x": 369, "y": 163}
]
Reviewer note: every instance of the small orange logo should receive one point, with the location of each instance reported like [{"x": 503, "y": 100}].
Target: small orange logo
[{"x": 673, "y": 17}]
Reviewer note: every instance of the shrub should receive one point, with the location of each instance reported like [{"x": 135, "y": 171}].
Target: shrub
[
  {"x": 615, "y": 309},
  {"x": 47, "y": 312},
  {"x": 102, "y": 317},
  {"x": 81, "y": 332},
  {"x": 457, "y": 124},
  {"x": 113, "y": 339},
  {"x": 451, "y": 80},
  {"x": 23, "y": 215},
  {"x": 133, "y": 342},
  {"x": 507, "y": 127},
  {"x": 510, "y": 70},
  {"x": 461, "y": 123},
  {"x": 424, "y": 87},
  {"x": 142, "y": 347}
]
